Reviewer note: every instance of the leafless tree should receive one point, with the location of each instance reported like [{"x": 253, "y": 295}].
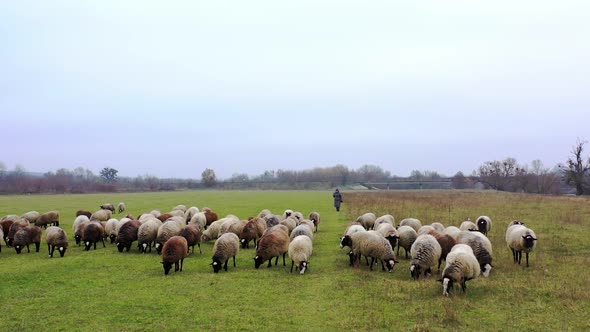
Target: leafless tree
[{"x": 577, "y": 169}]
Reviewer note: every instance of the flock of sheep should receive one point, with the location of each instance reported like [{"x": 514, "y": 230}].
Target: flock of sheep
[
  {"x": 172, "y": 234},
  {"x": 466, "y": 250}
]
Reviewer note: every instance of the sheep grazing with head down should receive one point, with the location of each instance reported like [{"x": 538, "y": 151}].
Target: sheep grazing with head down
[
  {"x": 109, "y": 229},
  {"x": 48, "y": 218},
  {"x": 121, "y": 207},
  {"x": 83, "y": 213},
  {"x": 101, "y": 215},
  {"x": 407, "y": 236},
  {"x": 452, "y": 231},
  {"x": 78, "y": 227},
  {"x": 107, "y": 206},
  {"x": 369, "y": 244},
  {"x": 315, "y": 218},
  {"x": 190, "y": 212},
  {"x": 226, "y": 247},
  {"x": 147, "y": 234},
  {"x": 461, "y": 267},
  {"x": 412, "y": 222},
  {"x": 91, "y": 234},
  {"x": 31, "y": 216},
  {"x": 174, "y": 251},
  {"x": 165, "y": 232},
  {"x": 425, "y": 253},
  {"x": 210, "y": 216},
  {"x": 468, "y": 225},
  {"x": 520, "y": 238},
  {"x": 56, "y": 238},
  {"x": 274, "y": 243},
  {"x": 482, "y": 249},
  {"x": 253, "y": 230},
  {"x": 300, "y": 249},
  {"x": 290, "y": 222},
  {"x": 302, "y": 229},
  {"x": 388, "y": 232},
  {"x": 180, "y": 207},
  {"x": 5, "y": 225},
  {"x": 367, "y": 220},
  {"x": 192, "y": 234},
  {"x": 14, "y": 228},
  {"x": 446, "y": 242},
  {"x": 199, "y": 220},
  {"x": 25, "y": 236},
  {"x": 384, "y": 219},
  {"x": 127, "y": 235}
]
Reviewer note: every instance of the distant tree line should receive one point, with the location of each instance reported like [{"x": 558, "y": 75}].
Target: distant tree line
[{"x": 502, "y": 175}]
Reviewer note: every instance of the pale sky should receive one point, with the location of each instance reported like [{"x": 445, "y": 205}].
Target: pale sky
[{"x": 169, "y": 88}]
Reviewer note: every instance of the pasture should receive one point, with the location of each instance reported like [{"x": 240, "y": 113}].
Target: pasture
[{"x": 106, "y": 290}]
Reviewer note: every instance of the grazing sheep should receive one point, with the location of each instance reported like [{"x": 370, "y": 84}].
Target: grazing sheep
[
  {"x": 180, "y": 207},
  {"x": 110, "y": 229},
  {"x": 482, "y": 249},
  {"x": 287, "y": 213},
  {"x": 51, "y": 217},
  {"x": 31, "y": 216},
  {"x": 271, "y": 220},
  {"x": 226, "y": 246},
  {"x": 452, "y": 231},
  {"x": 438, "y": 226},
  {"x": 92, "y": 233},
  {"x": 83, "y": 213},
  {"x": 121, "y": 207},
  {"x": 302, "y": 229},
  {"x": 461, "y": 267},
  {"x": 101, "y": 215},
  {"x": 446, "y": 242},
  {"x": 165, "y": 232},
  {"x": 367, "y": 220},
  {"x": 174, "y": 251},
  {"x": 307, "y": 222},
  {"x": 164, "y": 217},
  {"x": 384, "y": 219},
  {"x": 412, "y": 222},
  {"x": 56, "y": 237},
  {"x": 300, "y": 250},
  {"x": 14, "y": 228},
  {"x": 177, "y": 213},
  {"x": 192, "y": 234},
  {"x": 290, "y": 222},
  {"x": 232, "y": 226},
  {"x": 388, "y": 232},
  {"x": 370, "y": 244},
  {"x": 5, "y": 225},
  {"x": 199, "y": 219},
  {"x": 274, "y": 243},
  {"x": 210, "y": 216},
  {"x": 425, "y": 253},
  {"x": 107, "y": 206},
  {"x": 425, "y": 229},
  {"x": 127, "y": 235},
  {"x": 353, "y": 229},
  {"x": 253, "y": 230},
  {"x": 484, "y": 224},
  {"x": 468, "y": 225},
  {"x": 190, "y": 212},
  {"x": 79, "y": 224},
  {"x": 25, "y": 236},
  {"x": 298, "y": 215},
  {"x": 520, "y": 238},
  {"x": 147, "y": 234},
  {"x": 264, "y": 213},
  {"x": 315, "y": 218},
  {"x": 407, "y": 236},
  {"x": 156, "y": 213},
  {"x": 212, "y": 232}
]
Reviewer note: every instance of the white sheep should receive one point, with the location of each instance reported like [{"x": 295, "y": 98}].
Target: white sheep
[
  {"x": 468, "y": 225},
  {"x": 199, "y": 219},
  {"x": 520, "y": 238},
  {"x": 425, "y": 252},
  {"x": 388, "y": 232},
  {"x": 484, "y": 224},
  {"x": 109, "y": 229},
  {"x": 367, "y": 220},
  {"x": 55, "y": 237},
  {"x": 482, "y": 249},
  {"x": 121, "y": 207},
  {"x": 438, "y": 226},
  {"x": 190, "y": 212},
  {"x": 407, "y": 236},
  {"x": 386, "y": 218},
  {"x": 165, "y": 232},
  {"x": 452, "y": 231},
  {"x": 425, "y": 229},
  {"x": 300, "y": 250},
  {"x": 461, "y": 267},
  {"x": 226, "y": 246},
  {"x": 372, "y": 244},
  {"x": 287, "y": 213},
  {"x": 412, "y": 222},
  {"x": 102, "y": 215},
  {"x": 302, "y": 229},
  {"x": 147, "y": 234},
  {"x": 316, "y": 219},
  {"x": 353, "y": 229},
  {"x": 180, "y": 207}
]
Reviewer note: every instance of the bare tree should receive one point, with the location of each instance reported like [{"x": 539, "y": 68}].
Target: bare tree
[
  {"x": 498, "y": 174},
  {"x": 577, "y": 170}
]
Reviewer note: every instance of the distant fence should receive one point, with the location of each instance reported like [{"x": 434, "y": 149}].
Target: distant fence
[{"x": 409, "y": 184}]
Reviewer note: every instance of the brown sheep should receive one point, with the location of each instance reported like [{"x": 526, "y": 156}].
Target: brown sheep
[
  {"x": 5, "y": 224},
  {"x": 164, "y": 217},
  {"x": 92, "y": 233},
  {"x": 51, "y": 217},
  {"x": 210, "y": 216},
  {"x": 446, "y": 244},
  {"x": 25, "y": 236},
  {"x": 272, "y": 244},
  {"x": 15, "y": 227},
  {"x": 56, "y": 237},
  {"x": 31, "y": 216},
  {"x": 108, "y": 206},
  {"x": 83, "y": 213},
  {"x": 174, "y": 251},
  {"x": 127, "y": 234},
  {"x": 192, "y": 234},
  {"x": 253, "y": 230}
]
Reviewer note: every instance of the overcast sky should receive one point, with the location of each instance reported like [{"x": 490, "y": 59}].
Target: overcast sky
[{"x": 169, "y": 88}]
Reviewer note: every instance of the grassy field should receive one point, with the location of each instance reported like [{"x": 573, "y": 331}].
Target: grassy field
[{"x": 106, "y": 290}]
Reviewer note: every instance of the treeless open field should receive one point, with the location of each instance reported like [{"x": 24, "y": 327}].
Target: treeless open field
[{"x": 106, "y": 290}]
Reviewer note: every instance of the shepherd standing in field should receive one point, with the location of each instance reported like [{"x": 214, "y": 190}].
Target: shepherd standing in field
[{"x": 337, "y": 199}]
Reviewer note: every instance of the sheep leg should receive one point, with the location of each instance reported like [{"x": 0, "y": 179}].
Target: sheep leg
[
  {"x": 292, "y": 263},
  {"x": 277, "y": 261},
  {"x": 439, "y": 262},
  {"x": 103, "y": 244},
  {"x": 284, "y": 264},
  {"x": 270, "y": 262},
  {"x": 38, "y": 244},
  {"x": 49, "y": 249},
  {"x": 95, "y": 245},
  {"x": 234, "y": 261},
  {"x": 372, "y": 261},
  {"x": 527, "y": 259},
  {"x": 514, "y": 256},
  {"x": 28, "y": 248},
  {"x": 52, "y": 250},
  {"x": 181, "y": 263},
  {"x": 519, "y": 256},
  {"x": 225, "y": 265},
  {"x": 398, "y": 250},
  {"x": 176, "y": 266},
  {"x": 200, "y": 252}
]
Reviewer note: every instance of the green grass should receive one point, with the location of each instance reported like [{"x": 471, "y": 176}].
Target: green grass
[{"x": 106, "y": 290}]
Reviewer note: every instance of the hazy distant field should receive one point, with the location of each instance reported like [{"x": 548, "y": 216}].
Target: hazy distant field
[{"x": 108, "y": 290}]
